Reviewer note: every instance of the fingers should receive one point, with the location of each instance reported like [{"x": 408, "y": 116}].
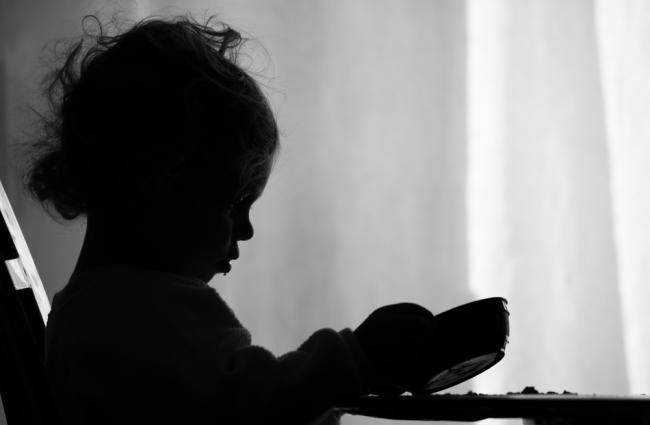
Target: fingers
[
  {"x": 398, "y": 341},
  {"x": 405, "y": 309}
]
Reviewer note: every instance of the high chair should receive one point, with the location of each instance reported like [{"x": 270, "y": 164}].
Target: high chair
[{"x": 24, "y": 307}]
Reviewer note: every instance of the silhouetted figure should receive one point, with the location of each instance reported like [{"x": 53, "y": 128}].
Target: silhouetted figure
[{"x": 163, "y": 142}]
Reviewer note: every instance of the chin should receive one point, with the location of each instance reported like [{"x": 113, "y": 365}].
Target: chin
[{"x": 224, "y": 267}]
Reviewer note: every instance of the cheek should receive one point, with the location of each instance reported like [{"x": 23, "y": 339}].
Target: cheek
[
  {"x": 205, "y": 224},
  {"x": 208, "y": 234}
]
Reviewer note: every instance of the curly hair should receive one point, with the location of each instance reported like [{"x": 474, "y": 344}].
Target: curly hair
[{"x": 138, "y": 112}]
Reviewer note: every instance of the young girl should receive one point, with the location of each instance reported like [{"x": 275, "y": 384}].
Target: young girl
[{"x": 162, "y": 142}]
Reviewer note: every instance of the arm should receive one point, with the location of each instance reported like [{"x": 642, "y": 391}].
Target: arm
[{"x": 294, "y": 388}]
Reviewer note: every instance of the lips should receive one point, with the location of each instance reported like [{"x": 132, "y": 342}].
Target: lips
[{"x": 225, "y": 267}]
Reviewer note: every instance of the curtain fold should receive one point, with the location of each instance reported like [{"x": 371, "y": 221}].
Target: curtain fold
[
  {"x": 623, "y": 34},
  {"x": 548, "y": 242}
]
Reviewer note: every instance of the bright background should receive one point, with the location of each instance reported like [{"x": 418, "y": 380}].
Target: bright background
[{"x": 432, "y": 151}]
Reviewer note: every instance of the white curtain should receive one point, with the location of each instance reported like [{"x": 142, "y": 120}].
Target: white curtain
[
  {"x": 435, "y": 152},
  {"x": 558, "y": 188}
]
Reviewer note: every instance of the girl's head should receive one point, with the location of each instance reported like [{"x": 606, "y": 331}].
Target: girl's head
[{"x": 155, "y": 124}]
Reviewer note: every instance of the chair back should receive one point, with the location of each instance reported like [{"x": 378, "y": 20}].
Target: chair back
[{"x": 25, "y": 392}]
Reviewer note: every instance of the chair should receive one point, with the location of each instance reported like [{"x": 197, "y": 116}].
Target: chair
[{"x": 24, "y": 389}]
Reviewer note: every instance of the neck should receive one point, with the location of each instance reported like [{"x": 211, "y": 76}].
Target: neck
[
  {"x": 105, "y": 245},
  {"x": 110, "y": 242}
]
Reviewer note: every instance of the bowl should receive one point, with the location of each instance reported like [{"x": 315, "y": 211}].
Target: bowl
[{"x": 469, "y": 339}]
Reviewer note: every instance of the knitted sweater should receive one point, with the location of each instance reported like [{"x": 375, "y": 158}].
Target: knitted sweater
[{"x": 127, "y": 345}]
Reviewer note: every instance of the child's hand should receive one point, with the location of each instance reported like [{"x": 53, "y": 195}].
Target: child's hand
[{"x": 398, "y": 341}]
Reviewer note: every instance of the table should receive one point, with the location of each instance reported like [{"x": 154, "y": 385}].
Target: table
[{"x": 538, "y": 408}]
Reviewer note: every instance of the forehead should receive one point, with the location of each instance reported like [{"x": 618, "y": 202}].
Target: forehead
[
  {"x": 235, "y": 174},
  {"x": 254, "y": 187},
  {"x": 236, "y": 182}
]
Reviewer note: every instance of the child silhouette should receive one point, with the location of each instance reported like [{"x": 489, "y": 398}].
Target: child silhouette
[{"x": 163, "y": 142}]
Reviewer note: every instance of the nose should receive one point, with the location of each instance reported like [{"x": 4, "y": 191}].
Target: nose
[{"x": 244, "y": 229}]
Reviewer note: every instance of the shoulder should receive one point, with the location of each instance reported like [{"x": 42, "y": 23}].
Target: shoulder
[{"x": 137, "y": 303}]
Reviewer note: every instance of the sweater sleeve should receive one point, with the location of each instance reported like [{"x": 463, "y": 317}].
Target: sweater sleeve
[
  {"x": 247, "y": 383},
  {"x": 294, "y": 388}
]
